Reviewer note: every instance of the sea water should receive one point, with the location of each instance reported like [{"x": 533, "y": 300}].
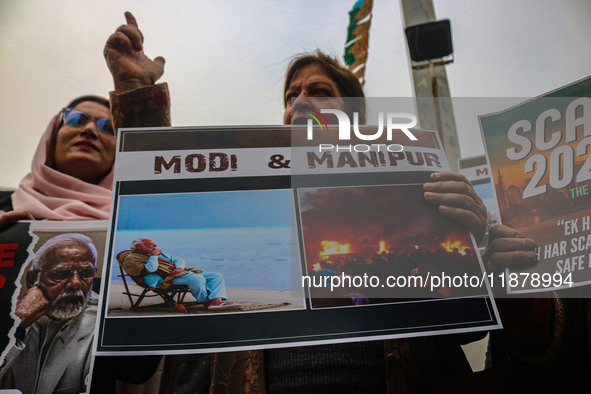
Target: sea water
[{"x": 248, "y": 258}]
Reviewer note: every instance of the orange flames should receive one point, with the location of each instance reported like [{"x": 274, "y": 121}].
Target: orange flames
[
  {"x": 450, "y": 245},
  {"x": 332, "y": 247},
  {"x": 383, "y": 247}
]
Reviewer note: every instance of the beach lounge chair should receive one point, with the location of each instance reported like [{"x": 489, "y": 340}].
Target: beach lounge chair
[{"x": 168, "y": 295}]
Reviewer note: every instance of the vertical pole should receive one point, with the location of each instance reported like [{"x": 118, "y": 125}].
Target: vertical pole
[
  {"x": 436, "y": 107},
  {"x": 431, "y": 87}
]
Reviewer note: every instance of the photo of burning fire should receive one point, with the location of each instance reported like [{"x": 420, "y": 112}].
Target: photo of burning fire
[{"x": 383, "y": 231}]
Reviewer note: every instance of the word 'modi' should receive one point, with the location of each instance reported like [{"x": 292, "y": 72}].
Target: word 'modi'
[{"x": 196, "y": 162}]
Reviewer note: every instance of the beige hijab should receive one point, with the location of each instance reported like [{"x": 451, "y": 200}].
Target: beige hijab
[{"x": 49, "y": 194}]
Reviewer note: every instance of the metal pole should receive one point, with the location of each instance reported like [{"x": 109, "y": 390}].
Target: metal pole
[{"x": 434, "y": 91}]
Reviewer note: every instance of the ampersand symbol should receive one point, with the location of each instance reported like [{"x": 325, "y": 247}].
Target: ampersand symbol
[{"x": 277, "y": 162}]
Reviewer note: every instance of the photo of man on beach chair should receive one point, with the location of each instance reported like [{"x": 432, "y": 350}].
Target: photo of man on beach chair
[{"x": 150, "y": 266}]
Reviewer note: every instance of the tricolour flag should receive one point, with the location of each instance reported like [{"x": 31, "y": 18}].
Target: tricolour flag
[{"x": 358, "y": 38}]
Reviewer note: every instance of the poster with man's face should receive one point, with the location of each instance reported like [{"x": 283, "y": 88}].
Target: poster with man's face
[{"x": 51, "y": 273}]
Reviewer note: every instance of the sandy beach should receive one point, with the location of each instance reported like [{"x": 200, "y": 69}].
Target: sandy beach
[{"x": 252, "y": 300}]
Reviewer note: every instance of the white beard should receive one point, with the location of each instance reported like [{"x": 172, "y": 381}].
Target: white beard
[{"x": 62, "y": 308}]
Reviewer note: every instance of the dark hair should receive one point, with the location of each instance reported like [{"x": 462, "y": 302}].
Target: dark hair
[
  {"x": 346, "y": 81},
  {"x": 96, "y": 99}
]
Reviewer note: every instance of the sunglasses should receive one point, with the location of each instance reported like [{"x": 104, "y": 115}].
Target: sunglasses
[
  {"x": 73, "y": 117},
  {"x": 61, "y": 274}
]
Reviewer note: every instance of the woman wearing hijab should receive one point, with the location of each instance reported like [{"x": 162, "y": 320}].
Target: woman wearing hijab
[
  {"x": 71, "y": 179},
  {"x": 72, "y": 170}
]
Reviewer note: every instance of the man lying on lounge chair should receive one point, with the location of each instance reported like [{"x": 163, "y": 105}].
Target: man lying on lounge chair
[{"x": 156, "y": 269}]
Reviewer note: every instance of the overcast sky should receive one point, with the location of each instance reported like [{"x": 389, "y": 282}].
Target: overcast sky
[{"x": 225, "y": 60}]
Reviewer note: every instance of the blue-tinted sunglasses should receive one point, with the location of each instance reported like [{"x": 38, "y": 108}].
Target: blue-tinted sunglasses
[{"x": 73, "y": 117}]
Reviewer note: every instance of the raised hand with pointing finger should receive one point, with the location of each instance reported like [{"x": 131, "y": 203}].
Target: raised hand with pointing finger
[
  {"x": 129, "y": 65},
  {"x": 132, "y": 70}
]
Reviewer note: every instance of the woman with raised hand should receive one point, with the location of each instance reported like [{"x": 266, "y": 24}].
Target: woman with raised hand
[{"x": 389, "y": 366}]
